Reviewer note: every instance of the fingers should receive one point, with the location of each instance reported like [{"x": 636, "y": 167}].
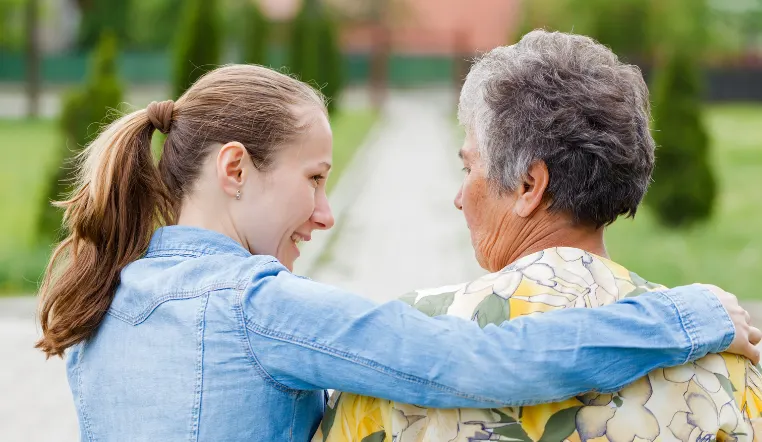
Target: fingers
[
  {"x": 752, "y": 352},
  {"x": 747, "y": 336},
  {"x": 755, "y": 335}
]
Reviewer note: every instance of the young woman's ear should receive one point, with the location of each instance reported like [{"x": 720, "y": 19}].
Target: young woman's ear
[{"x": 231, "y": 170}]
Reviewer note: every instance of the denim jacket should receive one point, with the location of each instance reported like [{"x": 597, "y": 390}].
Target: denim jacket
[{"x": 205, "y": 341}]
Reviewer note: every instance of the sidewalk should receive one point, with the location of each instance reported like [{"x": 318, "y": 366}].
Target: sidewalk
[{"x": 404, "y": 232}]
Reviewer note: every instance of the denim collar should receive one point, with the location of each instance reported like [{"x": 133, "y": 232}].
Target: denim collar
[{"x": 192, "y": 241}]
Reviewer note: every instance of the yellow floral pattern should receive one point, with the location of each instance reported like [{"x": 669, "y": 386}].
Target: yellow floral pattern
[{"x": 716, "y": 398}]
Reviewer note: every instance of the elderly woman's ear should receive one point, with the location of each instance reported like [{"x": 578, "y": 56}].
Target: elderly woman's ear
[{"x": 530, "y": 194}]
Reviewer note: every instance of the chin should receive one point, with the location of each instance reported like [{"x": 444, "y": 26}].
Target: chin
[
  {"x": 482, "y": 261},
  {"x": 481, "y": 258},
  {"x": 478, "y": 256}
]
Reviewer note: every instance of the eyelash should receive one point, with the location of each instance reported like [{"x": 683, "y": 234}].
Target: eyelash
[
  {"x": 467, "y": 170},
  {"x": 317, "y": 179}
]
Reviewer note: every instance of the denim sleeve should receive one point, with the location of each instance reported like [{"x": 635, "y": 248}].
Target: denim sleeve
[{"x": 305, "y": 335}]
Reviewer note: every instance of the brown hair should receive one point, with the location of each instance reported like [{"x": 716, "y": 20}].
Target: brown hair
[{"x": 121, "y": 196}]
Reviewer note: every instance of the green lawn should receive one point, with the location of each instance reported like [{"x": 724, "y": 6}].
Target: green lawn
[
  {"x": 28, "y": 154},
  {"x": 726, "y": 251},
  {"x": 349, "y": 131}
]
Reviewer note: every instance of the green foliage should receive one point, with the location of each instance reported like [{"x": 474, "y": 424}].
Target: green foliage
[
  {"x": 199, "y": 43},
  {"x": 735, "y": 27},
  {"x": 85, "y": 109},
  {"x": 623, "y": 25},
  {"x": 256, "y": 34},
  {"x": 315, "y": 55},
  {"x": 21, "y": 269},
  {"x": 153, "y": 23},
  {"x": 101, "y": 16},
  {"x": 551, "y": 15},
  {"x": 638, "y": 30},
  {"x": 681, "y": 25},
  {"x": 684, "y": 187},
  {"x": 12, "y": 24}
]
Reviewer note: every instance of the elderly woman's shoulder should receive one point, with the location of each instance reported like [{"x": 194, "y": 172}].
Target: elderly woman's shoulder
[{"x": 554, "y": 278}]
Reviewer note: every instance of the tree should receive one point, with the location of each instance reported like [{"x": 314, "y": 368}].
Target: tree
[
  {"x": 153, "y": 23},
  {"x": 32, "y": 24},
  {"x": 85, "y": 110},
  {"x": 256, "y": 34},
  {"x": 199, "y": 43},
  {"x": 684, "y": 188},
  {"x": 623, "y": 25},
  {"x": 12, "y": 24},
  {"x": 315, "y": 55},
  {"x": 100, "y": 16}
]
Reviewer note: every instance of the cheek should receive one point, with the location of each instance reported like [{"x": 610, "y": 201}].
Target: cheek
[
  {"x": 306, "y": 205},
  {"x": 297, "y": 205},
  {"x": 472, "y": 199}
]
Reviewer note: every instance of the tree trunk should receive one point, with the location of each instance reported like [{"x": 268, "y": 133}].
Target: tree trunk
[
  {"x": 379, "y": 66},
  {"x": 32, "y": 58},
  {"x": 461, "y": 62}
]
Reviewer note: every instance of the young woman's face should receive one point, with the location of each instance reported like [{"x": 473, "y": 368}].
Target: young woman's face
[{"x": 280, "y": 208}]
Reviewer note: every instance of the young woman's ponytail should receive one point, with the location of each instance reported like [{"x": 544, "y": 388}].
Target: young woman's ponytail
[{"x": 119, "y": 200}]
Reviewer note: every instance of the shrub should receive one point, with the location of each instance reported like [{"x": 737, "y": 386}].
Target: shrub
[
  {"x": 315, "y": 55},
  {"x": 256, "y": 35},
  {"x": 198, "y": 45},
  {"x": 84, "y": 110},
  {"x": 684, "y": 187}
]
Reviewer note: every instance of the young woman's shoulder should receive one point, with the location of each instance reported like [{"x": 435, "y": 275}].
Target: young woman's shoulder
[{"x": 147, "y": 283}]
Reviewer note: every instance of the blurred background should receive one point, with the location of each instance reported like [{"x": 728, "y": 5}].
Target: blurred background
[{"x": 392, "y": 70}]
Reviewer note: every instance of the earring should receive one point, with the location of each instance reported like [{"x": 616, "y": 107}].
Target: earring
[{"x": 238, "y": 194}]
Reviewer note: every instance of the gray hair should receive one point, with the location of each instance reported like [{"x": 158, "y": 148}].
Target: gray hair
[{"x": 566, "y": 100}]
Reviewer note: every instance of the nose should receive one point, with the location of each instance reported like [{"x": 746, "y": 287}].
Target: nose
[
  {"x": 322, "y": 216},
  {"x": 459, "y": 199}
]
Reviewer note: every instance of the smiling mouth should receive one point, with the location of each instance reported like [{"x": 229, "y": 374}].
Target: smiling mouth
[{"x": 298, "y": 238}]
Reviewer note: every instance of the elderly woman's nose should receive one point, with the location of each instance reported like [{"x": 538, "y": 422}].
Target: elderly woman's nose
[{"x": 458, "y": 199}]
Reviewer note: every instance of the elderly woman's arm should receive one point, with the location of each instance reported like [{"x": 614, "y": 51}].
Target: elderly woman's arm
[{"x": 322, "y": 337}]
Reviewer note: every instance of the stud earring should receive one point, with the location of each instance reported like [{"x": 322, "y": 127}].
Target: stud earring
[{"x": 238, "y": 194}]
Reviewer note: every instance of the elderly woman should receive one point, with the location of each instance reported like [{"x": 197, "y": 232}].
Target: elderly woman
[{"x": 557, "y": 148}]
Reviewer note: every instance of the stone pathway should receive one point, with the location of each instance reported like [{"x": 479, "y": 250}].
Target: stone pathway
[
  {"x": 35, "y": 402},
  {"x": 403, "y": 232}
]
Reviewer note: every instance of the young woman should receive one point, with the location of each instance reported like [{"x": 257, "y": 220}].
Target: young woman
[{"x": 199, "y": 331}]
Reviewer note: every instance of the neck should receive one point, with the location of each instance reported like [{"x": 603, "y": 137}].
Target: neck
[
  {"x": 547, "y": 232},
  {"x": 193, "y": 213}
]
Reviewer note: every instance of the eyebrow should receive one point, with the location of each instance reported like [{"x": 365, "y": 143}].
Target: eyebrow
[
  {"x": 461, "y": 155},
  {"x": 326, "y": 165}
]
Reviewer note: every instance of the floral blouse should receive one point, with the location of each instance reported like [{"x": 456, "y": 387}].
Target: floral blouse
[{"x": 715, "y": 398}]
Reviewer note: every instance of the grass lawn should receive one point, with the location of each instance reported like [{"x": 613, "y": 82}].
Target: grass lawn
[
  {"x": 349, "y": 131},
  {"x": 28, "y": 154},
  {"x": 726, "y": 251}
]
